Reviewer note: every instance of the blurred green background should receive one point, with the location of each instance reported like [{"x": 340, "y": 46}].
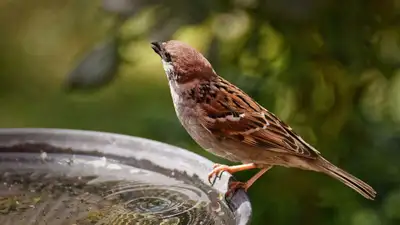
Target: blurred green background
[{"x": 331, "y": 69}]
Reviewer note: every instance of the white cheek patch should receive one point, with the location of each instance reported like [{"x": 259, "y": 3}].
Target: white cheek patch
[
  {"x": 175, "y": 96},
  {"x": 169, "y": 69}
]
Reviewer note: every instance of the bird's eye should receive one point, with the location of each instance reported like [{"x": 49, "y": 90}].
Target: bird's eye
[{"x": 167, "y": 57}]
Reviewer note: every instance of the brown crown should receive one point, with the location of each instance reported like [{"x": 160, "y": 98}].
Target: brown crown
[{"x": 187, "y": 62}]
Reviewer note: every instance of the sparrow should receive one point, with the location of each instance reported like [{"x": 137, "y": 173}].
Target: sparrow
[{"x": 227, "y": 122}]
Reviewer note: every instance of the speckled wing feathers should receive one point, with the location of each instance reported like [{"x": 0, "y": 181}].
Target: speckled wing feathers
[{"x": 231, "y": 114}]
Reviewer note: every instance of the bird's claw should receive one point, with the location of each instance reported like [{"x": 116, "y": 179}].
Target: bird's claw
[
  {"x": 217, "y": 172},
  {"x": 218, "y": 176},
  {"x": 234, "y": 186}
]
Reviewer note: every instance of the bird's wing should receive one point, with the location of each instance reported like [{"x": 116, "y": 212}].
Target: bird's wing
[{"x": 231, "y": 114}]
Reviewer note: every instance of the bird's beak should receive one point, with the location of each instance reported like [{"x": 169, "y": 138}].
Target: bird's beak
[{"x": 156, "y": 46}]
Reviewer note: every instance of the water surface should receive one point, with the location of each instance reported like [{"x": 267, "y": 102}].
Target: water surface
[{"x": 50, "y": 188}]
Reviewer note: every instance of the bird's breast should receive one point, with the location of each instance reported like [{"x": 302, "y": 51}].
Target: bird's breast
[{"x": 189, "y": 114}]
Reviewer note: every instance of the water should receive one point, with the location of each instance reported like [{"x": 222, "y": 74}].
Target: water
[{"x": 79, "y": 189}]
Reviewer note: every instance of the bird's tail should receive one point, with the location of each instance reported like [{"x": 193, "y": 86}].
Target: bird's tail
[{"x": 351, "y": 181}]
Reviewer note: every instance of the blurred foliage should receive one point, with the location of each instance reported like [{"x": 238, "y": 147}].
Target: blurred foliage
[{"x": 329, "y": 68}]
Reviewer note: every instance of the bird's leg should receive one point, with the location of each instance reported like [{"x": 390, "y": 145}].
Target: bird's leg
[
  {"x": 218, "y": 169},
  {"x": 233, "y": 186}
]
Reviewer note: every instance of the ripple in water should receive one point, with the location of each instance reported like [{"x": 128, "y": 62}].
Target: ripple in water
[{"x": 83, "y": 193}]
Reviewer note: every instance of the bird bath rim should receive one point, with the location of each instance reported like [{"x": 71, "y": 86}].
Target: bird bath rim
[{"x": 119, "y": 145}]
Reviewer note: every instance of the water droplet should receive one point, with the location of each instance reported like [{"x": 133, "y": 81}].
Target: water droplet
[{"x": 43, "y": 156}]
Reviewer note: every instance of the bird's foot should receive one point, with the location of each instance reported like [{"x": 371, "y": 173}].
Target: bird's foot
[
  {"x": 235, "y": 185},
  {"x": 219, "y": 169},
  {"x": 217, "y": 172}
]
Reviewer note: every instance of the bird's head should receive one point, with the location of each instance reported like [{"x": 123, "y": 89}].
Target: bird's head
[{"x": 182, "y": 63}]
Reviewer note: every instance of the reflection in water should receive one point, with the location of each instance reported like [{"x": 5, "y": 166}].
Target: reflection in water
[{"x": 86, "y": 191}]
